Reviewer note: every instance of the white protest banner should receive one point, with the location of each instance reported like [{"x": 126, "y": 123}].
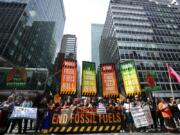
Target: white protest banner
[
  {"x": 141, "y": 116},
  {"x": 147, "y": 113},
  {"x": 24, "y": 112}
]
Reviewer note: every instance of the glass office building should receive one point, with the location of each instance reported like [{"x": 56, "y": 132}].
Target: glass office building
[
  {"x": 148, "y": 32},
  {"x": 69, "y": 46},
  {"x": 96, "y": 32},
  {"x": 30, "y": 32}
]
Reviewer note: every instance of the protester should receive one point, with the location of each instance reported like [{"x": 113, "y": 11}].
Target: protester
[
  {"x": 26, "y": 103},
  {"x": 167, "y": 115},
  {"x": 41, "y": 114},
  {"x": 174, "y": 109},
  {"x": 8, "y": 105},
  {"x": 138, "y": 102},
  {"x": 129, "y": 120},
  {"x": 18, "y": 102},
  {"x": 152, "y": 107}
]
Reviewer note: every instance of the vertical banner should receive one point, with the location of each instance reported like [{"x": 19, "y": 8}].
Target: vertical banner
[
  {"x": 130, "y": 78},
  {"x": 89, "y": 79},
  {"x": 68, "y": 77},
  {"x": 109, "y": 81}
]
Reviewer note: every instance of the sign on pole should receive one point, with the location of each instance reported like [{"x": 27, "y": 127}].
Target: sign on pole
[
  {"x": 89, "y": 79},
  {"x": 68, "y": 77},
  {"x": 130, "y": 78},
  {"x": 109, "y": 81}
]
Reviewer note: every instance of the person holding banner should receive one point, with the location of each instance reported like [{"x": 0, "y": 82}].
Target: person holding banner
[
  {"x": 8, "y": 107},
  {"x": 18, "y": 121},
  {"x": 26, "y": 103},
  {"x": 167, "y": 115}
]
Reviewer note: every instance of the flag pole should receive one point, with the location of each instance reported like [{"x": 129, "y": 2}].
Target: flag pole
[
  {"x": 170, "y": 82},
  {"x": 171, "y": 87}
]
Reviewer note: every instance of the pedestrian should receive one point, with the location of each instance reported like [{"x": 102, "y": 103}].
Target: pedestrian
[{"x": 167, "y": 115}]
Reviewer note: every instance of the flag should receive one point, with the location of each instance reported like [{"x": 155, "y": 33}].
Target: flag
[{"x": 173, "y": 74}]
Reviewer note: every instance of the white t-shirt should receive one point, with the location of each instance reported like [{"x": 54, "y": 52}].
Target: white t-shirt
[
  {"x": 178, "y": 106},
  {"x": 127, "y": 106}
]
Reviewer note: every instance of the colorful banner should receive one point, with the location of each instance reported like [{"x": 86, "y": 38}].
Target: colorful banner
[
  {"x": 89, "y": 79},
  {"x": 130, "y": 78},
  {"x": 85, "y": 120},
  {"x": 24, "y": 112},
  {"x": 68, "y": 77},
  {"x": 109, "y": 81}
]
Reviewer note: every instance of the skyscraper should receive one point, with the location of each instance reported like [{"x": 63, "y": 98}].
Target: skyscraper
[
  {"x": 30, "y": 27},
  {"x": 68, "y": 46},
  {"x": 147, "y": 32},
  {"x": 96, "y": 32}
]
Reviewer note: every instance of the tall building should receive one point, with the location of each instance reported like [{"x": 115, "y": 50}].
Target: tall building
[
  {"x": 30, "y": 31},
  {"x": 96, "y": 32},
  {"x": 68, "y": 46},
  {"x": 147, "y": 32}
]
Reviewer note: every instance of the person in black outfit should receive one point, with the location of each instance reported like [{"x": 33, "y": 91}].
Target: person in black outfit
[
  {"x": 152, "y": 106},
  {"x": 42, "y": 110},
  {"x": 18, "y": 121}
]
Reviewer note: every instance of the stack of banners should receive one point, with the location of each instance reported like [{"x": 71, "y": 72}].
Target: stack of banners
[
  {"x": 68, "y": 77},
  {"x": 109, "y": 81},
  {"x": 130, "y": 78},
  {"x": 84, "y": 120},
  {"x": 141, "y": 116},
  {"x": 24, "y": 112},
  {"x": 89, "y": 79}
]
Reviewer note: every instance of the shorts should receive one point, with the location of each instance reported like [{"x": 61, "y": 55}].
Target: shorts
[{"x": 170, "y": 122}]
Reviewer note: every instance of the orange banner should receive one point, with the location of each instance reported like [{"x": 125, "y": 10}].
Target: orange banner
[
  {"x": 68, "y": 77},
  {"x": 109, "y": 81}
]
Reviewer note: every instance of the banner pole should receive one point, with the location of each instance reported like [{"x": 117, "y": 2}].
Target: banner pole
[{"x": 171, "y": 86}]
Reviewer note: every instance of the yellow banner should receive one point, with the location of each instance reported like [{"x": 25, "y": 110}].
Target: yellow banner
[{"x": 130, "y": 78}]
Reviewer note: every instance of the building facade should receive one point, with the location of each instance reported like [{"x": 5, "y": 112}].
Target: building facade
[
  {"x": 69, "y": 46},
  {"x": 96, "y": 32},
  {"x": 30, "y": 32},
  {"x": 147, "y": 32}
]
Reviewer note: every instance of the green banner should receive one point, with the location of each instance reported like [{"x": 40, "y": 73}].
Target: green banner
[{"x": 89, "y": 79}]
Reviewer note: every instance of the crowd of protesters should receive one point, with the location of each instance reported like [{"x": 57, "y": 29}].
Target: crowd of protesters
[{"x": 165, "y": 113}]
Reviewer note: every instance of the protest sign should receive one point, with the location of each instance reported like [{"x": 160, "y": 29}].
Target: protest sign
[
  {"x": 141, "y": 116},
  {"x": 24, "y": 112}
]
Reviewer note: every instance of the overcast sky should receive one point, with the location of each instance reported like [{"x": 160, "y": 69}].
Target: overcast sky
[{"x": 79, "y": 16}]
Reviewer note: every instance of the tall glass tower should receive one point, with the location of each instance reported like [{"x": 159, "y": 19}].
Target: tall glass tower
[
  {"x": 96, "y": 32},
  {"x": 30, "y": 31},
  {"x": 148, "y": 32}
]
